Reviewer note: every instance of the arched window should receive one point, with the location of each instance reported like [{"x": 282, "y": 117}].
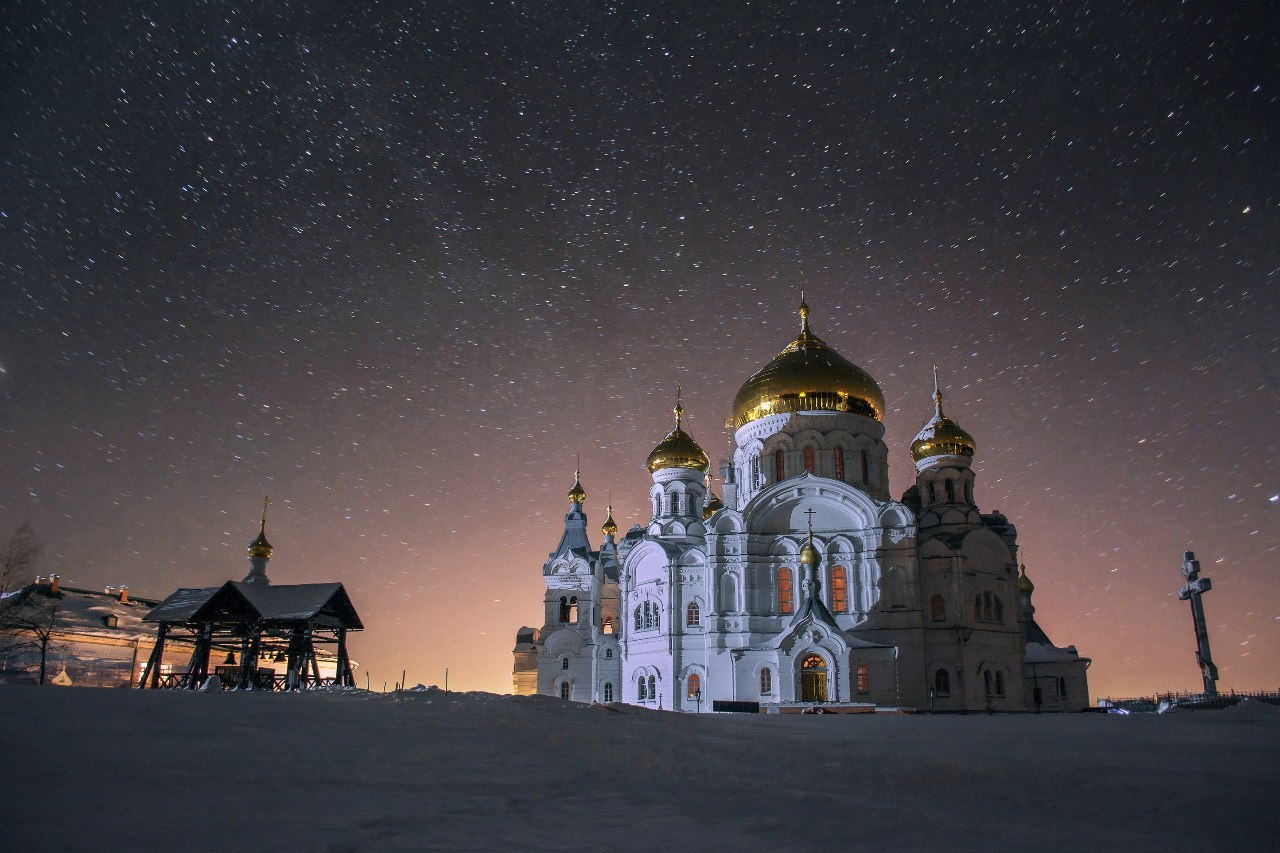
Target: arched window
[
  {"x": 675, "y": 504},
  {"x": 657, "y": 618},
  {"x": 999, "y": 683},
  {"x": 564, "y": 690},
  {"x": 839, "y": 590},
  {"x": 864, "y": 679},
  {"x": 692, "y": 615},
  {"x": 779, "y": 466},
  {"x": 785, "y": 605},
  {"x": 938, "y": 608},
  {"x": 1062, "y": 687},
  {"x": 933, "y": 492},
  {"x": 694, "y": 685},
  {"x": 808, "y": 460},
  {"x": 606, "y": 627},
  {"x": 838, "y": 457},
  {"x": 942, "y": 683},
  {"x": 986, "y": 679},
  {"x": 866, "y": 467},
  {"x": 641, "y": 695},
  {"x": 977, "y": 607},
  {"x": 608, "y": 691},
  {"x": 656, "y": 508},
  {"x": 564, "y": 663},
  {"x": 999, "y": 608},
  {"x": 638, "y": 619},
  {"x": 653, "y": 687},
  {"x": 766, "y": 680},
  {"x": 573, "y": 610},
  {"x": 986, "y": 607},
  {"x": 608, "y": 654},
  {"x": 950, "y": 487},
  {"x": 728, "y": 594},
  {"x": 968, "y": 493},
  {"x": 564, "y": 609}
]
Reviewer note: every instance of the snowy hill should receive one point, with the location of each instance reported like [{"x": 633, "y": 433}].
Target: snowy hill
[{"x": 352, "y": 771}]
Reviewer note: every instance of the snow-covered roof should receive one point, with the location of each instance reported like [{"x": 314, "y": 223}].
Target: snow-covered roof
[{"x": 324, "y": 602}]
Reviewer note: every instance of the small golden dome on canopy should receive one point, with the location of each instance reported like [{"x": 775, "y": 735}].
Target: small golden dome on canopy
[
  {"x": 1025, "y": 586},
  {"x": 807, "y": 376},
  {"x": 678, "y": 449},
  {"x": 941, "y": 436},
  {"x": 260, "y": 547},
  {"x": 610, "y": 527}
]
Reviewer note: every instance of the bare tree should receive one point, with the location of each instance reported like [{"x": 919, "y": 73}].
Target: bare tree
[
  {"x": 19, "y": 555},
  {"x": 30, "y": 626}
]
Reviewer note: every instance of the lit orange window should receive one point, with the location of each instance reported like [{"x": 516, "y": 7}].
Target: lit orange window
[
  {"x": 808, "y": 460},
  {"x": 839, "y": 590},
  {"x": 864, "y": 679},
  {"x": 695, "y": 686},
  {"x": 784, "y": 592},
  {"x": 839, "y": 460}
]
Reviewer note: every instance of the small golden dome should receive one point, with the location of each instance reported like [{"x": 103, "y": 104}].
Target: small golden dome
[
  {"x": 713, "y": 504},
  {"x": 678, "y": 449},
  {"x": 1025, "y": 586},
  {"x": 610, "y": 527},
  {"x": 807, "y": 376},
  {"x": 941, "y": 436},
  {"x": 577, "y": 494},
  {"x": 809, "y": 555}
]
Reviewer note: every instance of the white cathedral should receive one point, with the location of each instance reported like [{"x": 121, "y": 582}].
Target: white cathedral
[{"x": 808, "y": 585}]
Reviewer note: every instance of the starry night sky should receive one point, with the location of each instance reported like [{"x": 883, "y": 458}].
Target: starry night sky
[{"x": 395, "y": 264}]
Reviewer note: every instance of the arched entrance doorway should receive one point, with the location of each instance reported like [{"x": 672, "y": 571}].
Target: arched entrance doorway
[{"x": 813, "y": 679}]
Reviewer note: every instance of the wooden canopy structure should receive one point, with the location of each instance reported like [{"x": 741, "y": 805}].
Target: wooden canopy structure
[{"x": 258, "y": 622}]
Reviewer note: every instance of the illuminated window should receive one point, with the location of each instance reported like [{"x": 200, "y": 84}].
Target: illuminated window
[
  {"x": 864, "y": 679},
  {"x": 838, "y": 456},
  {"x": 692, "y": 616},
  {"x": 564, "y": 690},
  {"x": 808, "y": 460},
  {"x": 784, "y": 592},
  {"x": 766, "y": 680},
  {"x": 938, "y": 608},
  {"x": 573, "y": 610},
  {"x": 606, "y": 627},
  {"x": 564, "y": 663},
  {"x": 608, "y": 691},
  {"x": 640, "y": 691},
  {"x": 866, "y": 467},
  {"x": 694, "y": 685},
  {"x": 999, "y": 683},
  {"x": 839, "y": 590},
  {"x": 942, "y": 683},
  {"x": 779, "y": 467}
]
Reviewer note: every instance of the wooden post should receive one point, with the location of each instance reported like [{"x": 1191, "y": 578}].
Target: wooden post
[
  {"x": 311, "y": 655},
  {"x": 153, "y": 662},
  {"x": 344, "y": 678}
]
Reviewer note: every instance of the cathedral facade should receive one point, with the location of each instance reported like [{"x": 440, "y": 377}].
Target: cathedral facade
[{"x": 808, "y": 584}]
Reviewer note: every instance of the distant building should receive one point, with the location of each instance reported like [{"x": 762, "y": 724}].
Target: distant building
[{"x": 808, "y": 584}]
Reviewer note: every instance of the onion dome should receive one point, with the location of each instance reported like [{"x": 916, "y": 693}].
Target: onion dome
[
  {"x": 807, "y": 376},
  {"x": 678, "y": 449},
  {"x": 610, "y": 527},
  {"x": 260, "y": 547},
  {"x": 941, "y": 436},
  {"x": 577, "y": 494},
  {"x": 713, "y": 504},
  {"x": 1025, "y": 586}
]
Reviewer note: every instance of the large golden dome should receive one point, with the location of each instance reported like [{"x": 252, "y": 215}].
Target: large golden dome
[
  {"x": 807, "y": 376},
  {"x": 678, "y": 449},
  {"x": 941, "y": 436}
]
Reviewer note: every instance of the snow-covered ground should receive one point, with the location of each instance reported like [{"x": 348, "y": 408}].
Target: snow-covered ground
[{"x": 109, "y": 770}]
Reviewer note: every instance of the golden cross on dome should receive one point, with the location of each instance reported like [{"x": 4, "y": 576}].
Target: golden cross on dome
[
  {"x": 810, "y": 512},
  {"x": 265, "y": 501}
]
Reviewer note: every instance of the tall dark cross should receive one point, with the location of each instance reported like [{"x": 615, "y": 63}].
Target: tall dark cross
[{"x": 1194, "y": 588}]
